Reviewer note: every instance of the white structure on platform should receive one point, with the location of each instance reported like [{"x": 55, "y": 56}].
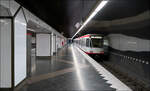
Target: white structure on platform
[
  {"x": 15, "y": 20},
  {"x": 43, "y": 45}
]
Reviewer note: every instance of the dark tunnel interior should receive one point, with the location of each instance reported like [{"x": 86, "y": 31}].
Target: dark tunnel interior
[
  {"x": 58, "y": 13},
  {"x": 125, "y": 24}
]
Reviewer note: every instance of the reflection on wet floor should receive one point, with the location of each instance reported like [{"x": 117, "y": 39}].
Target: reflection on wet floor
[
  {"x": 67, "y": 70},
  {"x": 33, "y": 62}
]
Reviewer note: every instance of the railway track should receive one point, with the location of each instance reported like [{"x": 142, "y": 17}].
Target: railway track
[{"x": 131, "y": 82}]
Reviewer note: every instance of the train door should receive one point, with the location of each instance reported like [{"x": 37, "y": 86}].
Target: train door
[
  {"x": 87, "y": 44},
  {"x": 84, "y": 44}
]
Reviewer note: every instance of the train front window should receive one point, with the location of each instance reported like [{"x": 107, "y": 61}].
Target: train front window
[{"x": 97, "y": 42}]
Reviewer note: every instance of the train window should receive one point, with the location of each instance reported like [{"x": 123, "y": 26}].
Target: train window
[
  {"x": 97, "y": 42},
  {"x": 87, "y": 43},
  {"x": 83, "y": 42}
]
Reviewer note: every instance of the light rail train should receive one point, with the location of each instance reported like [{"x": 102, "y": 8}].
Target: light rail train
[{"x": 92, "y": 44}]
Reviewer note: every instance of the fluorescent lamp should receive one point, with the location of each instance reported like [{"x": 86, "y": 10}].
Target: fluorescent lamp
[
  {"x": 97, "y": 9},
  {"x": 101, "y": 5}
]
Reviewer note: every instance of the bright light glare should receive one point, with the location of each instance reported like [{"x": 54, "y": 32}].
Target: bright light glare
[
  {"x": 98, "y": 8},
  {"x": 77, "y": 67},
  {"x": 101, "y": 5}
]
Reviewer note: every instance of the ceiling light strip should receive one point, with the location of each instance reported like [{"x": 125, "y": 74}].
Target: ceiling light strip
[{"x": 97, "y": 9}]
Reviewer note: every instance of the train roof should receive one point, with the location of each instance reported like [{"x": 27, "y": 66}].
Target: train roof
[
  {"x": 94, "y": 34},
  {"x": 89, "y": 35}
]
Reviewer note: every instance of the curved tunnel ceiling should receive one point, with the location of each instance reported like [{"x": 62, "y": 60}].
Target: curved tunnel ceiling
[
  {"x": 116, "y": 9},
  {"x": 64, "y": 14}
]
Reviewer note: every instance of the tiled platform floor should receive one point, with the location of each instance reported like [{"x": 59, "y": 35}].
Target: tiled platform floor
[{"x": 66, "y": 71}]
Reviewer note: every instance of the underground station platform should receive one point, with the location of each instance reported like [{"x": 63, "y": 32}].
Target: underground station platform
[
  {"x": 70, "y": 70},
  {"x": 74, "y": 45}
]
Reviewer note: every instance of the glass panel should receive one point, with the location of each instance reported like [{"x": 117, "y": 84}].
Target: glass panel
[
  {"x": 10, "y": 6},
  {"x": 14, "y": 6},
  {"x": 97, "y": 42},
  {"x": 5, "y": 53},
  {"x": 20, "y": 48},
  {"x": 4, "y": 11}
]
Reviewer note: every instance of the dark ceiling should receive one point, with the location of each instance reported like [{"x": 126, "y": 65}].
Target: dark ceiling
[{"x": 64, "y": 14}]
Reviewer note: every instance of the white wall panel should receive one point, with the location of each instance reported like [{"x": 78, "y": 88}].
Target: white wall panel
[
  {"x": 5, "y": 53},
  {"x": 114, "y": 41},
  {"x": 20, "y": 48},
  {"x": 43, "y": 44},
  {"x": 128, "y": 43}
]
